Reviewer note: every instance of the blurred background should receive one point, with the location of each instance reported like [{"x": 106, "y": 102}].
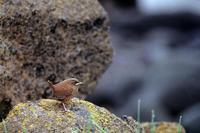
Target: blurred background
[{"x": 156, "y": 59}]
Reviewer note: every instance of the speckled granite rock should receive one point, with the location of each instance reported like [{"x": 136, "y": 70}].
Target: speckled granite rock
[
  {"x": 135, "y": 125},
  {"x": 44, "y": 40},
  {"x": 163, "y": 127},
  {"x": 47, "y": 116}
]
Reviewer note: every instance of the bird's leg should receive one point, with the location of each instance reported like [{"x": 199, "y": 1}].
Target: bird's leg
[{"x": 64, "y": 106}]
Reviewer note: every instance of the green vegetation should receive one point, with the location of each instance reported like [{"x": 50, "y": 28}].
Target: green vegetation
[
  {"x": 138, "y": 114},
  {"x": 152, "y": 121},
  {"x": 179, "y": 126},
  {"x": 4, "y": 127},
  {"x": 90, "y": 126},
  {"x": 24, "y": 130}
]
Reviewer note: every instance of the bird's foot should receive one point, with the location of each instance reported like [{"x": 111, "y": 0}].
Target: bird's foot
[{"x": 64, "y": 106}]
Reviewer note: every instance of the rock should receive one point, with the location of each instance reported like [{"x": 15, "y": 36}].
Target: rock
[
  {"x": 122, "y": 4},
  {"x": 44, "y": 40},
  {"x": 5, "y": 106},
  {"x": 47, "y": 116},
  {"x": 163, "y": 127},
  {"x": 135, "y": 125},
  {"x": 154, "y": 7},
  {"x": 191, "y": 118}
]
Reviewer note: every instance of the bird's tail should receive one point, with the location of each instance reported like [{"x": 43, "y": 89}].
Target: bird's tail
[{"x": 51, "y": 85}]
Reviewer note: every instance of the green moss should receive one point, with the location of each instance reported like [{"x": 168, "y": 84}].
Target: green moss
[
  {"x": 16, "y": 109},
  {"x": 102, "y": 117},
  {"x": 162, "y": 127},
  {"x": 47, "y": 115}
]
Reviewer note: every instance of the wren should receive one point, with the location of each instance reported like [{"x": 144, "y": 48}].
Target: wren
[{"x": 65, "y": 90}]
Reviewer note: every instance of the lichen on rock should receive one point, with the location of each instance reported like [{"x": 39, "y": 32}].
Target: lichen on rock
[
  {"x": 53, "y": 40},
  {"x": 48, "y": 116},
  {"x": 163, "y": 127}
]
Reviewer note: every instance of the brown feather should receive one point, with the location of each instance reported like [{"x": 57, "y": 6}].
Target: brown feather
[{"x": 65, "y": 89}]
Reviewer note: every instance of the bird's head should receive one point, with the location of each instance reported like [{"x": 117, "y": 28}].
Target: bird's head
[{"x": 74, "y": 82}]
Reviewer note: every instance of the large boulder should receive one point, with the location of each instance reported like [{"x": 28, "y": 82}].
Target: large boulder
[
  {"x": 44, "y": 40},
  {"x": 47, "y": 116}
]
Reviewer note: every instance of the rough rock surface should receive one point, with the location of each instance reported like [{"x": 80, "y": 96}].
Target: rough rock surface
[
  {"x": 46, "y": 116},
  {"x": 44, "y": 40},
  {"x": 163, "y": 127}
]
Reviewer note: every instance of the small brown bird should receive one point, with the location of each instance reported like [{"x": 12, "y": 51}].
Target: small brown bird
[{"x": 66, "y": 89}]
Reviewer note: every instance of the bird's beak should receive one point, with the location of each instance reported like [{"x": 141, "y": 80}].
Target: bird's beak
[{"x": 79, "y": 83}]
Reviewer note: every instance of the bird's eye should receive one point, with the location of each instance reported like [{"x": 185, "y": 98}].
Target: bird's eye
[{"x": 74, "y": 82}]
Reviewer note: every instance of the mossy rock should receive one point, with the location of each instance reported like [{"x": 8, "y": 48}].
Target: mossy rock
[
  {"x": 163, "y": 127},
  {"x": 48, "y": 116}
]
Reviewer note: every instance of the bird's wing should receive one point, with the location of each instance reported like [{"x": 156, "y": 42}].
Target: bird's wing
[{"x": 63, "y": 90}]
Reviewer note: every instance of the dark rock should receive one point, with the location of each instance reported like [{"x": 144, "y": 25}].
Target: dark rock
[
  {"x": 183, "y": 22},
  {"x": 160, "y": 51},
  {"x": 44, "y": 40},
  {"x": 191, "y": 118},
  {"x": 121, "y": 3},
  {"x": 5, "y": 106}
]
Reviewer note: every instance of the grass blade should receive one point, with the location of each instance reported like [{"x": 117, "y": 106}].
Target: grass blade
[
  {"x": 138, "y": 114},
  {"x": 152, "y": 121},
  {"x": 180, "y": 125},
  {"x": 4, "y": 127},
  {"x": 24, "y": 130}
]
